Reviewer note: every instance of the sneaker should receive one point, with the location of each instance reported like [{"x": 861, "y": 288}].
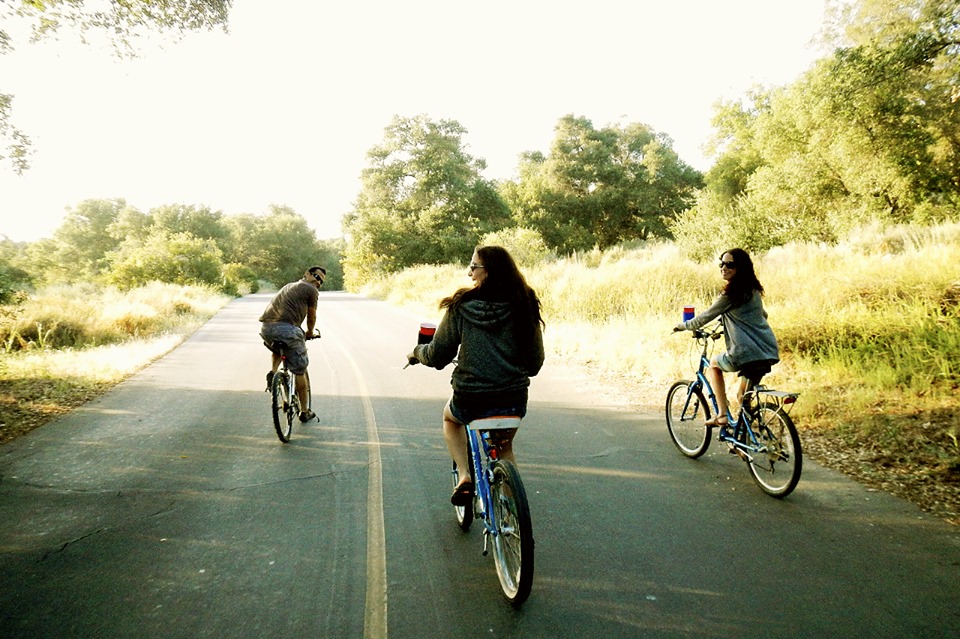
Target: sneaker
[
  {"x": 307, "y": 415},
  {"x": 269, "y": 379}
]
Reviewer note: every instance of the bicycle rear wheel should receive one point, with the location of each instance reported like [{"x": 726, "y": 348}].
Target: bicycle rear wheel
[
  {"x": 513, "y": 539},
  {"x": 686, "y": 411},
  {"x": 282, "y": 405},
  {"x": 776, "y": 468}
]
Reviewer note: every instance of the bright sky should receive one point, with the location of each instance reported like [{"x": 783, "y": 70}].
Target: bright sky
[{"x": 284, "y": 109}]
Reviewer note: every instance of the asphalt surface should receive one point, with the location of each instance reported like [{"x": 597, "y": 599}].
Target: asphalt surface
[{"x": 169, "y": 508}]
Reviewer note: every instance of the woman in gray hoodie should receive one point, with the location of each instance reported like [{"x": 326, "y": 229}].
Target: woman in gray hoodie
[
  {"x": 494, "y": 330},
  {"x": 748, "y": 336}
]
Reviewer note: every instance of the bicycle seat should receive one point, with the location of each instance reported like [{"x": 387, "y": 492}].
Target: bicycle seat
[
  {"x": 277, "y": 347},
  {"x": 754, "y": 371},
  {"x": 496, "y": 423}
]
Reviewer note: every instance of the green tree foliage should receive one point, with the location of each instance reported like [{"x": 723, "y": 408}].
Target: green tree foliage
[
  {"x": 82, "y": 241},
  {"x": 174, "y": 258},
  {"x": 278, "y": 247},
  {"x": 870, "y": 133},
  {"x": 121, "y": 22},
  {"x": 600, "y": 187},
  {"x": 13, "y": 279},
  {"x": 526, "y": 246},
  {"x": 199, "y": 222},
  {"x": 422, "y": 201},
  {"x": 109, "y": 241}
]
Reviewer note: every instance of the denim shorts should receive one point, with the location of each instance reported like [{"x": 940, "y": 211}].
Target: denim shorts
[
  {"x": 468, "y": 407},
  {"x": 295, "y": 347},
  {"x": 723, "y": 361}
]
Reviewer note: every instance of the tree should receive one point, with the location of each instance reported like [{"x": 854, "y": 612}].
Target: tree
[
  {"x": 870, "y": 133},
  {"x": 422, "y": 201},
  {"x": 12, "y": 279},
  {"x": 278, "y": 247},
  {"x": 600, "y": 187},
  {"x": 199, "y": 222},
  {"x": 121, "y": 22},
  {"x": 82, "y": 241},
  {"x": 176, "y": 258}
]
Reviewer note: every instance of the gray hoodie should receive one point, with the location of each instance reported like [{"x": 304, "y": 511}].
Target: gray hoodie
[
  {"x": 481, "y": 335},
  {"x": 746, "y": 332}
]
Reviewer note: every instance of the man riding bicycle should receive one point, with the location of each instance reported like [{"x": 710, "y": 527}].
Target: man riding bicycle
[{"x": 281, "y": 322}]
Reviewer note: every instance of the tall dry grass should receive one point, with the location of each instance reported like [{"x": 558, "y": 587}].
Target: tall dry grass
[
  {"x": 65, "y": 345},
  {"x": 85, "y": 315}
]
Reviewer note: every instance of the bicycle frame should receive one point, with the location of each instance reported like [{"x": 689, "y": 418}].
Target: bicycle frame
[
  {"x": 482, "y": 455},
  {"x": 742, "y": 437},
  {"x": 500, "y": 501}
]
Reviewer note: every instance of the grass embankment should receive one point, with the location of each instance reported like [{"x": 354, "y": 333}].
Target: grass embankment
[
  {"x": 869, "y": 332},
  {"x": 66, "y": 345}
]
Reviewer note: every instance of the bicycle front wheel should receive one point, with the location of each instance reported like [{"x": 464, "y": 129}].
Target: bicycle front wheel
[
  {"x": 281, "y": 403},
  {"x": 776, "y": 467},
  {"x": 686, "y": 411},
  {"x": 513, "y": 537}
]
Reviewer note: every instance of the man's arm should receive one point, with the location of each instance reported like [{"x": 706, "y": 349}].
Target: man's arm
[{"x": 311, "y": 319}]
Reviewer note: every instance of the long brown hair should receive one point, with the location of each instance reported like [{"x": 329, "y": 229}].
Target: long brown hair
[
  {"x": 504, "y": 283},
  {"x": 744, "y": 282}
]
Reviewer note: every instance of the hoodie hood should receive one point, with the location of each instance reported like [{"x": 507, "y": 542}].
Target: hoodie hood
[{"x": 484, "y": 314}]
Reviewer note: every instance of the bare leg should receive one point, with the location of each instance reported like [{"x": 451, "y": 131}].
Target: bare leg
[
  {"x": 715, "y": 377},
  {"x": 456, "y": 437},
  {"x": 301, "y": 382},
  {"x": 274, "y": 362}
]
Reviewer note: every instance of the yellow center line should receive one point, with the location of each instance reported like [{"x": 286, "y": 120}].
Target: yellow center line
[{"x": 375, "y": 617}]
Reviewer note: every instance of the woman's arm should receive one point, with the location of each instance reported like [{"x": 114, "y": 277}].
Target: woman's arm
[
  {"x": 444, "y": 346},
  {"x": 720, "y": 306}
]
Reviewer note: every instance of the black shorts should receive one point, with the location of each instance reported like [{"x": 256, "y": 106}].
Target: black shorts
[{"x": 467, "y": 407}]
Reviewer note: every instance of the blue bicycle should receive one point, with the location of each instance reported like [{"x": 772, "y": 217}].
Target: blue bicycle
[
  {"x": 500, "y": 501},
  {"x": 763, "y": 434}
]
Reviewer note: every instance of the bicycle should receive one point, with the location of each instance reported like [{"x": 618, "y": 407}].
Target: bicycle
[
  {"x": 500, "y": 501},
  {"x": 763, "y": 435},
  {"x": 284, "y": 402}
]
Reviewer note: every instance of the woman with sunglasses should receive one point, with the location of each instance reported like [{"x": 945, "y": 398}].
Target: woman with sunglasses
[
  {"x": 494, "y": 330},
  {"x": 748, "y": 336}
]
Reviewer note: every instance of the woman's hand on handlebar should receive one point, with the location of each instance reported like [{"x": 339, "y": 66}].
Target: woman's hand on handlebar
[{"x": 412, "y": 360}]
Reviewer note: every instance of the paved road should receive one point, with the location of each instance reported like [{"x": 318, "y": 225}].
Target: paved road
[{"x": 168, "y": 508}]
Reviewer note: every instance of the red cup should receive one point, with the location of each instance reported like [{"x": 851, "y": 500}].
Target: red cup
[
  {"x": 427, "y": 330},
  {"x": 688, "y": 313}
]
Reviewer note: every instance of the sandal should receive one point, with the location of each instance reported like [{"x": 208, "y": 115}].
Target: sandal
[
  {"x": 462, "y": 494},
  {"x": 307, "y": 415},
  {"x": 716, "y": 420}
]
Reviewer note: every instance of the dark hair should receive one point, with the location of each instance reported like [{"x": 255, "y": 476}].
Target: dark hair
[
  {"x": 314, "y": 269},
  {"x": 504, "y": 283},
  {"x": 744, "y": 282}
]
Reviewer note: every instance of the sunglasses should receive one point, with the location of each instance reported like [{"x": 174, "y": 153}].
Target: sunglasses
[
  {"x": 474, "y": 267},
  {"x": 317, "y": 277},
  {"x": 729, "y": 265}
]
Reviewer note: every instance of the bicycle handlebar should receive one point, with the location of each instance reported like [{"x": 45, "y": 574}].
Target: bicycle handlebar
[{"x": 703, "y": 333}]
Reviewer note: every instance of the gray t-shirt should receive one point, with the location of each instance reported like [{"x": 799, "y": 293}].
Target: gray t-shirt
[{"x": 291, "y": 303}]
